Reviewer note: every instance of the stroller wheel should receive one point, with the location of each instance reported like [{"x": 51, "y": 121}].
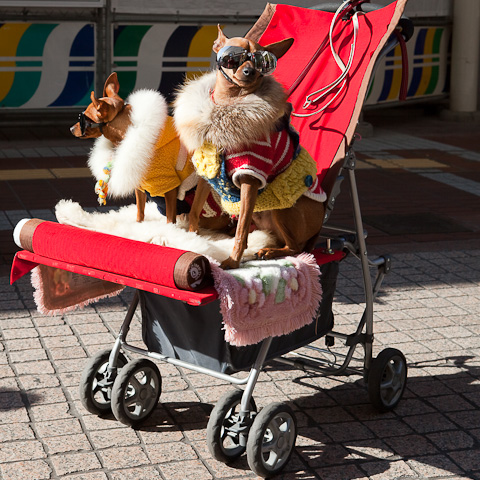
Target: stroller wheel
[
  {"x": 96, "y": 383},
  {"x": 224, "y": 426},
  {"x": 387, "y": 379},
  {"x": 271, "y": 439},
  {"x": 136, "y": 391}
]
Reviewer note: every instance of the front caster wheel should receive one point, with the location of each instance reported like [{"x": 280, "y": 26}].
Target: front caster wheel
[
  {"x": 225, "y": 427},
  {"x": 387, "y": 379},
  {"x": 136, "y": 391},
  {"x": 271, "y": 439},
  {"x": 97, "y": 381}
]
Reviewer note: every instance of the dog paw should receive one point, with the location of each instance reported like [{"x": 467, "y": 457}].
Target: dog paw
[
  {"x": 262, "y": 254},
  {"x": 229, "y": 264},
  {"x": 271, "y": 253}
]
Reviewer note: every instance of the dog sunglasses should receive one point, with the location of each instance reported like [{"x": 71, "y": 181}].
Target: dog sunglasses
[
  {"x": 231, "y": 57},
  {"x": 85, "y": 123}
]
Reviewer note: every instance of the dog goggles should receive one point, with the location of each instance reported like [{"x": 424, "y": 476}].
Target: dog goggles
[
  {"x": 231, "y": 57},
  {"x": 85, "y": 123}
]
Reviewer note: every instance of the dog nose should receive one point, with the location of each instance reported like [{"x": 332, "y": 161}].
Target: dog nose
[{"x": 247, "y": 70}]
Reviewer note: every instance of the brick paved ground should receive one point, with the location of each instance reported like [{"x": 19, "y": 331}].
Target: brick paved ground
[{"x": 429, "y": 308}]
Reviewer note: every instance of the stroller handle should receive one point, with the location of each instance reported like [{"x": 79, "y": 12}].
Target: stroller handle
[{"x": 405, "y": 25}]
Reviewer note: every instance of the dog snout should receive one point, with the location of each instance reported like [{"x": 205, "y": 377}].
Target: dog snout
[{"x": 75, "y": 130}]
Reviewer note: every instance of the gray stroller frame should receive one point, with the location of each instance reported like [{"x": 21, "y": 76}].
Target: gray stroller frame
[{"x": 131, "y": 390}]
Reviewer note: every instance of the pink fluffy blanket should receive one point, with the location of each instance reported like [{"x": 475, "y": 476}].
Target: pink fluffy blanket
[{"x": 268, "y": 298}]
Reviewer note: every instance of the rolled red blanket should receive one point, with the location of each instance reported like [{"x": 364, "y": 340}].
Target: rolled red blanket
[{"x": 166, "y": 266}]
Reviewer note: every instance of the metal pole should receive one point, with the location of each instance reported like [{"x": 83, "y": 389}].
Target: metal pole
[
  {"x": 108, "y": 39},
  {"x": 465, "y": 56},
  {"x": 367, "y": 281}
]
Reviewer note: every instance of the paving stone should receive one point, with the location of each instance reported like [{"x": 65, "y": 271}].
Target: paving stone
[
  {"x": 21, "y": 450},
  {"x": 16, "y": 431},
  {"x": 388, "y": 470},
  {"x": 50, "y": 428},
  {"x": 114, "y": 438},
  {"x": 170, "y": 452},
  {"x": 67, "y": 443},
  {"x": 38, "y": 469},
  {"x": 87, "y": 476},
  {"x": 38, "y": 381},
  {"x": 39, "y": 367},
  {"x": 433, "y": 466},
  {"x": 145, "y": 473},
  {"x": 75, "y": 462},
  {"x": 123, "y": 457},
  {"x": 179, "y": 470},
  {"x": 28, "y": 355}
]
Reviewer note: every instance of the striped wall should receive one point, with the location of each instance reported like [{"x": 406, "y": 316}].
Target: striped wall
[
  {"x": 46, "y": 64},
  {"x": 428, "y": 52},
  {"x": 52, "y": 65}
]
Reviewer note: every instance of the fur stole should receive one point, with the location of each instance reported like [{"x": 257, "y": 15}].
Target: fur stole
[
  {"x": 229, "y": 127},
  {"x": 131, "y": 158}
]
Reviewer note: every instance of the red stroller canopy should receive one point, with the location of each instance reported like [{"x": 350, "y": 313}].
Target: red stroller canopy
[{"x": 326, "y": 134}]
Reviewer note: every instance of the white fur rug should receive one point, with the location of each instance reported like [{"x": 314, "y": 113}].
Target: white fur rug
[{"x": 155, "y": 230}]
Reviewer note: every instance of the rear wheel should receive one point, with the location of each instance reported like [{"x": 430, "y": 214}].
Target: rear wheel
[{"x": 387, "y": 379}]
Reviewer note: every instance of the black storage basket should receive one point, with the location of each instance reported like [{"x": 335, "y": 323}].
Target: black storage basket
[{"x": 195, "y": 335}]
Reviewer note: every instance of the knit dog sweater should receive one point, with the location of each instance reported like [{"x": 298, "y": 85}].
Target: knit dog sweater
[{"x": 251, "y": 136}]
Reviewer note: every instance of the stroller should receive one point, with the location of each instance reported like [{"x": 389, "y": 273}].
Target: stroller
[{"x": 184, "y": 328}]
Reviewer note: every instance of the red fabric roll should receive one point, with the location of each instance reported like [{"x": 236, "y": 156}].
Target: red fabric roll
[{"x": 143, "y": 261}]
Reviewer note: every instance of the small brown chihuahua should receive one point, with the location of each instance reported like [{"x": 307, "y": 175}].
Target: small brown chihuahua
[
  {"x": 138, "y": 149},
  {"x": 241, "y": 79}
]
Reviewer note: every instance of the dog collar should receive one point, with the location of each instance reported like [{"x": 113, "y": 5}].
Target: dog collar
[
  {"x": 229, "y": 79},
  {"x": 212, "y": 93}
]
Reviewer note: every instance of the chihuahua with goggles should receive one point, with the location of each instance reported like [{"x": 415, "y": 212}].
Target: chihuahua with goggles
[{"x": 236, "y": 120}]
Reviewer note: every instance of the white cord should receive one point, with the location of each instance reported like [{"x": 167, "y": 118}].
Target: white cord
[{"x": 344, "y": 68}]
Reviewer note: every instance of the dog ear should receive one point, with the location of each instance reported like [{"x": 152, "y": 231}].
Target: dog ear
[
  {"x": 279, "y": 49},
  {"x": 101, "y": 108},
  {"x": 95, "y": 101},
  {"x": 220, "y": 41},
  {"x": 112, "y": 86}
]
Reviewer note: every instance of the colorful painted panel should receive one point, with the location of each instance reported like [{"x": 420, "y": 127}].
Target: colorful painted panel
[
  {"x": 53, "y": 64},
  {"x": 46, "y": 64},
  {"x": 161, "y": 56},
  {"x": 428, "y": 64}
]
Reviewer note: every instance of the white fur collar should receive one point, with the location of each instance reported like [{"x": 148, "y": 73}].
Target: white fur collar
[
  {"x": 199, "y": 119},
  {"x": 131, "y": 158}
]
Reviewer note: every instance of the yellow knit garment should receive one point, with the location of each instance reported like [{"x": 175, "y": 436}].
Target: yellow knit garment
[
  {"x": 285, "y": 189},
  {"x": 207, "y": 160},
  {"x": 162, "y": 175}
]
